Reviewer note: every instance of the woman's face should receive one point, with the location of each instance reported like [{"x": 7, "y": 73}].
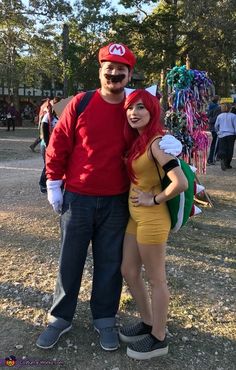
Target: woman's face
[{"x": 138, "y": 116}]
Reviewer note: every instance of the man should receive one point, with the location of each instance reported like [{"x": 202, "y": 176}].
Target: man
[
  {"x": 212, "y": 113},
  {"x": 11, "y": 117},
  {"x": 87, "y": 153},
  {"x": 225, "y": 127}
]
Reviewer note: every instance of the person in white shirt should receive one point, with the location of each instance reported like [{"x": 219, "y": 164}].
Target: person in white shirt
[
  {"x": 48, "y": 123},
  {"x": 225, "y": 127}
]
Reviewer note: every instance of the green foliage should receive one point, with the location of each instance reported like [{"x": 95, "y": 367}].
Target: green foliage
[
  {"x": 14, "y": 38},
  {"x": 47, "y": 9},
  {"x": 32, "y": 49},
  {"x": 87, "y": 31},
  {"x": 210, "y": 39}
]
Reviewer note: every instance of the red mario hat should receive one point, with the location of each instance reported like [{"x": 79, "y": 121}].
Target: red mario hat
[{"x": 119, "y": 53}]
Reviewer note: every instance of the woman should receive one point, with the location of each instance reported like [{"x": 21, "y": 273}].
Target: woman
[{"x": 149, "y": 224}]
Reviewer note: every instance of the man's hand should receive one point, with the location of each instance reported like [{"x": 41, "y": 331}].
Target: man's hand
[
  {"x": 55, "y": 196},
  {"x": 171, "y": 145}
]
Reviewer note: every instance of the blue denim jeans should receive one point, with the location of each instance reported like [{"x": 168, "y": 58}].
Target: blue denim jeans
[
  {"x": 102, "y": 220},
  {"x": 213, "y": 148},
  {"x": 43, "y": 178}
]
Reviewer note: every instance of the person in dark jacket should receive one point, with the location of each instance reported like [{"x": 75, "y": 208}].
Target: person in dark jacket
[
  {"x": 11, "y": 117},
  {"x": 213, "y": 111}
]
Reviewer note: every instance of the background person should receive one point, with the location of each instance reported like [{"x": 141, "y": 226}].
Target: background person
[
  {"x": 42, "y": 110},
  {"x": 149, "y": 225},
  {"x": 48, "y": 122},
  {"x": 87, "y": 154},
  {"x": 233, "y": 109},
  {"x": 225, "y": 127},
  {"x": 213, "y": 111},
  {"x": 11, "y": 117}
]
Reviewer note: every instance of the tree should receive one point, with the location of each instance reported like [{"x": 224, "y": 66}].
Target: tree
[
  {"x": 204, "y": 30},
  {"x": 161, "y": 34},
  {"x": 152, "y": 36},
  {"x": 210, "y": 39},
  {"x": 88, "y": 29},
  {"x": 13, "y": 40},
  {"x": 49, "y": 10},
  {"x": 29, "y": 48}
]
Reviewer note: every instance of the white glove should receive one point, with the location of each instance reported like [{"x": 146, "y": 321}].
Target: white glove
[
  {"x": 171, "y": 145},
  {"x": 55, "y": 196}
]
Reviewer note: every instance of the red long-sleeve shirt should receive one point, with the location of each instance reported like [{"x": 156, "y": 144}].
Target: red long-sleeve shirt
[{"x": 87, "y": 151}]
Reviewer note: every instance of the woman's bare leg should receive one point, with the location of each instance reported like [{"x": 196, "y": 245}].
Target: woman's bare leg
[
  {"x": 153, "y": 258},
  {"x": 131, "y": 269}
]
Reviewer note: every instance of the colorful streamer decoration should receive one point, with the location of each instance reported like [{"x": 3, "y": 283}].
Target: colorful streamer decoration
[{"x": 186, "y": 118}]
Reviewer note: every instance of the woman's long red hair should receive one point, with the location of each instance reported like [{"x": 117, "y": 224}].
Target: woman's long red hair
[{"x": 138, "y": 143}]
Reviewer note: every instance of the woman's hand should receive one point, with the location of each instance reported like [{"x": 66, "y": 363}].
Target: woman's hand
[{"x": 142, "y": 198}]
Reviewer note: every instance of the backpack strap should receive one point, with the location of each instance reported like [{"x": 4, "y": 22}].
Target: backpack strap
[
  {"x": 155, "y": 161},
  {"x": 84, "y": 101}
]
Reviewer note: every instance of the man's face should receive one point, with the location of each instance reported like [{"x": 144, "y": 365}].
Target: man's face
[{"x": 114, "y": 76}]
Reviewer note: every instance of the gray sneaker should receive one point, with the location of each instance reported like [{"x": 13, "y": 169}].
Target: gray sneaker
[
  {"x": 132, "y": 333},
  {"x": 51, "y": 335},
  {"x": 106, "y": 327},
  {"x": 147, "y": 348}
]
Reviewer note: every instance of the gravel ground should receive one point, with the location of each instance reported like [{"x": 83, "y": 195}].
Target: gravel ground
[{"x": 200, "y": 264}]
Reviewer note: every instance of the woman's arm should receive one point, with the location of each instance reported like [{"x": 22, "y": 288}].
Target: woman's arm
[{"x": 178, "y": 180}]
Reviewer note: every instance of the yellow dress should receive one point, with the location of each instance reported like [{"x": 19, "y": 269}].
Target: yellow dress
[{"x": 151, "y": 225}]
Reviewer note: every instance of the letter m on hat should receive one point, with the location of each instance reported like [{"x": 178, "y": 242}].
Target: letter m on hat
[{"x": 116, "y": 49}]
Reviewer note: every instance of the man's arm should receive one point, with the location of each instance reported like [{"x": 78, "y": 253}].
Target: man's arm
[
  {"x": 60, "y": 146},
  {"x": 61, "y": 142}
]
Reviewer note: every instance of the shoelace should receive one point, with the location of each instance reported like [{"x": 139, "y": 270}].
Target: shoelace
[{"x": 109, "y": 329}]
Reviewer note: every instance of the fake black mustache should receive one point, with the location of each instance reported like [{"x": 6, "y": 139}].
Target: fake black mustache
[{"x": 114, "y": 78}]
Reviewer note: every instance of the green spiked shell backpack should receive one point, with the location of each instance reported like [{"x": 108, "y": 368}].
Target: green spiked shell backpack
[{"x": 181, "y": 207}]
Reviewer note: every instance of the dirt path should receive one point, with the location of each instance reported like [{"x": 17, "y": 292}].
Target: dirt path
[{"x": 200, "y": 267}]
